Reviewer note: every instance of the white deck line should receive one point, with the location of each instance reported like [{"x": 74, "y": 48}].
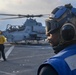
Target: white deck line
[{"x": 9, "y": 51}]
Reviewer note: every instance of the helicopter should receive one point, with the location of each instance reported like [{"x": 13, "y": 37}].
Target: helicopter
[{"x": 30, "y": 30}]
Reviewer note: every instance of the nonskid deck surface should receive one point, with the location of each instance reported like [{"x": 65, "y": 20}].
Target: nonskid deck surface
[{"x": 24, "y": 59}]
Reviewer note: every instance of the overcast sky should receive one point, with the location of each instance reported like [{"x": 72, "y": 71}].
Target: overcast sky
[{"x": 28, "y": 7}]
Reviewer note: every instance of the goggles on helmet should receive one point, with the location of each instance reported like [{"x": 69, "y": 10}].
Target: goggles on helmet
[
  {"x": 58, "y": 12},
  {"x": 51, "y": 26}
]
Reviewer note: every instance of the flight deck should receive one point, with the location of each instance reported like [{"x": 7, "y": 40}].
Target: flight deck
[{"x": 24, "y": 59}]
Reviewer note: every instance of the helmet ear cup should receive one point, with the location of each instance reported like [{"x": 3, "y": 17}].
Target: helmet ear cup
[{"x": 68, "y": 32}]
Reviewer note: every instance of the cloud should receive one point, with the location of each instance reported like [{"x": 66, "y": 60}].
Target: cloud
[
  {"x": 28, "y": 6},
  {"x": 31, "y": 6}
]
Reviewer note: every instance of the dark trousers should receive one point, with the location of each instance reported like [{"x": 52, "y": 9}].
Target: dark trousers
[{"x": 2, "y": 51}]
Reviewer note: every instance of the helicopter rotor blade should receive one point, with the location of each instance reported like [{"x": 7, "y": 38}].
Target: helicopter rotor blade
[
  {"x": 10, "y": 18},
  {"x": 40, "y": 15},
  {"x": 8, "y": 14},
  {"x": 20, "y": 16}
]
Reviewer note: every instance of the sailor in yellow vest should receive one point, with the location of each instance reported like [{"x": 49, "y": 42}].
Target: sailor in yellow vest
[{"x": 2, "y": 41}]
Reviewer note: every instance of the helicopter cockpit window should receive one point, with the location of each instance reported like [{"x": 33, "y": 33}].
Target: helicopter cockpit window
[
  {"x": 21, "y": 28},
  {"x": 9, "y": 27},
  {"x": 12, "y": 28}
]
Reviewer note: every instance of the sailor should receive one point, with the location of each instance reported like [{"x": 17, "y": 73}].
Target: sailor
[
  {"x": 61, "y": 34},
  {"x": 2, "y": 41}
]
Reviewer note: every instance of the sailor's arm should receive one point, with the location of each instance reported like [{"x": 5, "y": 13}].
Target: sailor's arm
[{"x": 47, "y": 70}]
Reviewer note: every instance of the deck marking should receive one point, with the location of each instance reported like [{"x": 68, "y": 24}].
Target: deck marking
[{"x": 9, "y": 51}]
